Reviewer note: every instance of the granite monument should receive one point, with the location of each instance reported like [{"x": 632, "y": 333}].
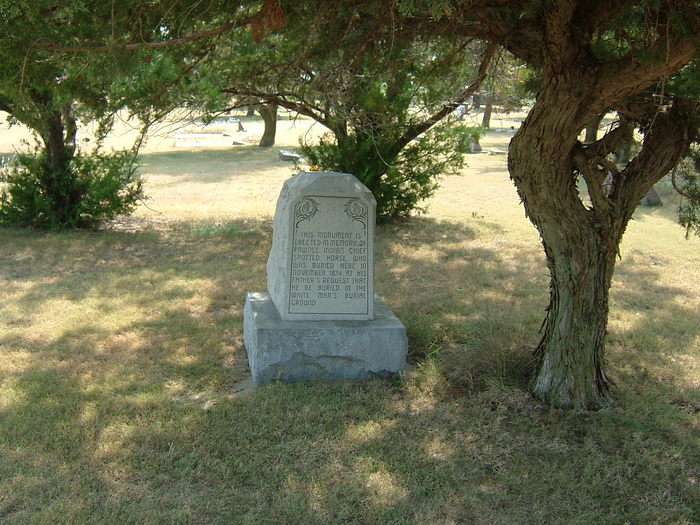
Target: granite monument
[{"x": 320, "y": 318}]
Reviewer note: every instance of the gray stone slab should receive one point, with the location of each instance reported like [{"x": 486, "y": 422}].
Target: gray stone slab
[
  {"x": 321, "y": 264},
  {"x": 291, "y": 351},
  {"x": 290, "y": 156}
]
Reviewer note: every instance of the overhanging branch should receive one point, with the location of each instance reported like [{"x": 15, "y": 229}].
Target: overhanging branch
[
  {"x": 627, "y": 76},
  {"x": 664, "y": 144},
  {"x": 282, "y": 100},
  {"x": 421, "y": 127},
  {"x": 231, "y": 24}
]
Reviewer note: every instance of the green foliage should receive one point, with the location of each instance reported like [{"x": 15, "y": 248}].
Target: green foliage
[
  {"x": 686, "y": 178},
  {"x": 89, "y": 190},
  {"x": 377, "y": 88},
  {"x": 399, "y": 182},
  {"x": 687, "y": 82}
]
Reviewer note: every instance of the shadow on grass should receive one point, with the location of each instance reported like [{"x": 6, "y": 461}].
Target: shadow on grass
[
  {"x": 655, "y": 341},
  {"x": 120, "y": 352}
]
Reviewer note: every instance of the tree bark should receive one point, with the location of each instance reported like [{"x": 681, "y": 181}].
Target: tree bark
[
  {"x": 571, "y": 351},
  {"x": 59, "y": 147},
  {"x": 580, "y": 252},
  {"x": 592, "y": 130},
  {"x": 476, "y": 102},
  {"x": 488, "y": 109},
  {"x": 269, "y": 114},
  {"x": 59, "y": 137}
]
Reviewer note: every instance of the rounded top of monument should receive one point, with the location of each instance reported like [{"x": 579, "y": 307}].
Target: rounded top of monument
[{"x": 328, "y": 183}]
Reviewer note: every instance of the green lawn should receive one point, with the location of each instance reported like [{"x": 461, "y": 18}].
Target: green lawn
[{"x": 121, "y": 357}]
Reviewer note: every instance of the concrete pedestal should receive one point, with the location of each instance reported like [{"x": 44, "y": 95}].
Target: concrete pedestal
[{"x": 323, "y": 350}]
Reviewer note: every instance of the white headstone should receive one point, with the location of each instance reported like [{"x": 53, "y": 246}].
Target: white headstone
[{"x": 321, "y": 265}]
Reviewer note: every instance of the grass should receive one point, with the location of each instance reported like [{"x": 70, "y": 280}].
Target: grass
[{"x": 121, "y": 356}]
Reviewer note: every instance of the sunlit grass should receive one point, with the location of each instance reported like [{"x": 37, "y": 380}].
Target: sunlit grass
[{"x": 121, "y": 352}]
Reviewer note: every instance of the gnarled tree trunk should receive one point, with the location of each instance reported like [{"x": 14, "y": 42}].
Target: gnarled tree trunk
[
  {"x": 580, "y": 251},
  {"x": 581, "y": 241},
  {"x": 269, "y": 114}
]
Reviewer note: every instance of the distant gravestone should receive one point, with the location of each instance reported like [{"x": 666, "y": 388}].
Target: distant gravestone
[
  {"x": 474, "y": 146},
  {"x": 287, "y": 155},
  {"x": 652, "y": 199},
  {"x": 320, "y": 318}
]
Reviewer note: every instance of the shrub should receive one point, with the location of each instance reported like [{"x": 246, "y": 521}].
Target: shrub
[
  {"x": 686, "y": 180},
  {"x": 400, "y": 181},
  {"x": 89, "y": 190}
]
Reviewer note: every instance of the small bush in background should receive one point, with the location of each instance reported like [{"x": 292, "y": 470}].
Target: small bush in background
[
  {"x": 686, "y": 181},
  {"x": 400, "y": 180},
  {"x": 89, "y": 190}
]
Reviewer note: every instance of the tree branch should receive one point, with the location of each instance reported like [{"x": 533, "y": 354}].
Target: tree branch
[
  {"x": 679, "y": 190},
  {"x": 421, "y": 127},
  {"x": 612, "y": 140},
  {"x": 595, "y": 178},
  {"x": 665, "y": 142},
  {"x": 629, "y": 75},
  {"x": 231, "y": 24},
  {"x": 281, "y": 100}
]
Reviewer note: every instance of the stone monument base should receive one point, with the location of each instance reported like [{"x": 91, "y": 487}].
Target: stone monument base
[{"x": 325, "y": 350}]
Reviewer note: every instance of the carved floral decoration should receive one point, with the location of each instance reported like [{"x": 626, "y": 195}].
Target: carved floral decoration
[
  {"x": 304, "y": 210},
  {"x": 356, "y": 211}
]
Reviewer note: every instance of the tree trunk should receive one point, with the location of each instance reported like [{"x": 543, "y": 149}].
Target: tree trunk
[
  {"x": 250, "y": 111},
  {"x": 570, "y": 353},
  {"x": 59, "y": 151},
  {"x": 488, "y": 109},
  {"x": 60, "y": 129},
  {"x": 592, "y": 130},
  {"x": 476, "y": 102},
  {"x": 580, "y": 253},
  {"x": 269, "y": 114}
]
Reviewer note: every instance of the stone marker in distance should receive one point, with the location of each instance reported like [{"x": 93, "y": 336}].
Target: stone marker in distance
[
  {"x": 320, "y": 319},
  {"x": 285, "y": 154}
]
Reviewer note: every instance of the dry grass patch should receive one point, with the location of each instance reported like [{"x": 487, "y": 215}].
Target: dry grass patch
[{"x": 120, "y": 351}]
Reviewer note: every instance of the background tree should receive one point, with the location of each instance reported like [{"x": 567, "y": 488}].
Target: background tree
[
  {"x": 504, "y": 86},
  {"x": 55, "y": 186},
  {"x": 82, "y": 61},
  {"x": 268, "y": 112},
  {"x": 376, "y": 89}
]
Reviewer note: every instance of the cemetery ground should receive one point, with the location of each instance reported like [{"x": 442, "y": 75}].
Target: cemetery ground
[{"x": 122, "y": 370}]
